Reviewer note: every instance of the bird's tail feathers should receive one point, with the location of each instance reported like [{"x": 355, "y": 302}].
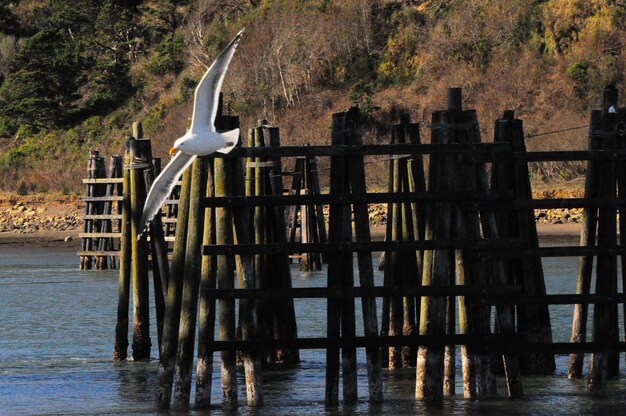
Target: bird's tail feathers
[{"x": 230, "y": 138}]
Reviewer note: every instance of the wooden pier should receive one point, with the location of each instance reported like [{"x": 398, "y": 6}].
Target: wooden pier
[{"x": 461, "y": 247}]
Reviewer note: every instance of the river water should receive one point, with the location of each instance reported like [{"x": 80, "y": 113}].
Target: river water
[{"x": 56, "y": 337}]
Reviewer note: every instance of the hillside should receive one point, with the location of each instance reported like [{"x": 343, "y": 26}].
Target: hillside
[{"x": 75, "y": 74}]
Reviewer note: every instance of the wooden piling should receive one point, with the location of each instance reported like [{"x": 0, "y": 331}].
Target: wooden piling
[
  {"x": 393, "y": 262},
  {"x": 248, "y": 307},
  {"x": 265, "y": 308},
  {"x": 225, "y": 280},
  {"x": 342, "y": 134},
  {"x": 285, "y": 315},
  {"x": 222, "y": 179},
  {"x": 191, "y": 282},
  {"x": 603, "y": 365},
  {"x": 167, "y": 358},
  {"x": 340, "y": 313},
  {"x": 437, "y": 269},
  {"x": 206, "y": 307},
  {"x": 587, "y": 238},
  {"x": 159, "y": 252},
  {"x": 121, "y": 328},
  {"x": 356, "y": 172},
  {"x": 139, "y": 265}
]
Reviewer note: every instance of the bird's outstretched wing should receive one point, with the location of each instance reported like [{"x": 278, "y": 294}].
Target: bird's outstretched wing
[
  {"x": 162, "y": 187},
  {"x": 208, "y": 90}
]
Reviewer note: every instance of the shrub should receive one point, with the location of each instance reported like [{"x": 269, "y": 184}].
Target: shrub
[
  {"x": 168, "y": 56},
  {"x": 361, "y": 94},
  {"x": 578, "y": 72}
]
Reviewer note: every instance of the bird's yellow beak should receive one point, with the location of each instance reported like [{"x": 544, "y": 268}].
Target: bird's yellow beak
[{"x": 172, "y": 151}]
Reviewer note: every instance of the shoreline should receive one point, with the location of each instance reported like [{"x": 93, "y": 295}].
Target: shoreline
[
  {"x": 57, "y": 238},
  {"x": 43, "y": 238}
]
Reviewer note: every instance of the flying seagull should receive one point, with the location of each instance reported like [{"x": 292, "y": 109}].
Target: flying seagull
[{"x": 201, "y": 139}]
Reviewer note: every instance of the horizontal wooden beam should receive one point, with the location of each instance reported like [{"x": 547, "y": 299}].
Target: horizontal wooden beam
[
  {"x": 491, "y": 343},
  {"x": 476, "y": 250},
  {"x": 102, "y": 217},
  {"x": 344, "y": 199},
  {"x": 479, "y": 152},
  {"x": 359, "y": 292},
  {"x": 351, "y": 247},
  {"x": 373, "y": 149},
  {"x": 103, "y": 180},
  {"x": 466, "y": 200},
  {"x": 99, "y": 235},
  {"x": 475, "y": 295},
  {"x": 98, "y": 253},
  {"x": 101, "y": 198}
]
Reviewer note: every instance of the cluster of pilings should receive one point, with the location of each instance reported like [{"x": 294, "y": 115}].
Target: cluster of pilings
[
  {"x": 405, "y": 222},
  {"x": 185, "y": 291},
  {"x": 139, "y": 172},
  {"x": 604, "y": 180},
  {"x": 99, "y": 219},
  {"x": 461, "y": 250}
]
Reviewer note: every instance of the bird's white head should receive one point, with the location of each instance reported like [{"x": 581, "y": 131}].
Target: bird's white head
[{"x": 178, "y": 145}]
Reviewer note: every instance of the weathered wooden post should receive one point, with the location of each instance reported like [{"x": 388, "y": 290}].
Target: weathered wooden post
[
  {"x": 340, "y": 312},
  {"x": 393, "y": 275},
  {"x": 223, "y": 182},
  {"x": 121, "y": 328},
  {"x": 139, "y": 265},
  {"x": 225, "y": 280},
  {"x": 191, "y": 283},
  {"x": 348, "y": 176},
  {"x": 437, "y": 271},
  {"x": 158, "y": 251},
  {"x": 173, "y": 299},
  {"x": 604, "y": 365},
  {"x": 356, "y": 173},
  {"x": 587, "y": 238},
  {"x": 258, "y": 186},
  {"x": 248, "y": 312},
  {"x": 206, "y": 307}
]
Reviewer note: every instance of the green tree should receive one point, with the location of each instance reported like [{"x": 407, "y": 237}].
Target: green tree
[
  {"x": 41, "y": 92},
  {"x": 8, "y": 23}
]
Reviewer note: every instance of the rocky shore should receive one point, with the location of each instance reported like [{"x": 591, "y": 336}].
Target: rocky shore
[{"x": 31, "y": 214}]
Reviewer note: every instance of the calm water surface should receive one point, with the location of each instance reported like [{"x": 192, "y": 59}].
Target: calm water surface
[{"x": 56, "y": 337}]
